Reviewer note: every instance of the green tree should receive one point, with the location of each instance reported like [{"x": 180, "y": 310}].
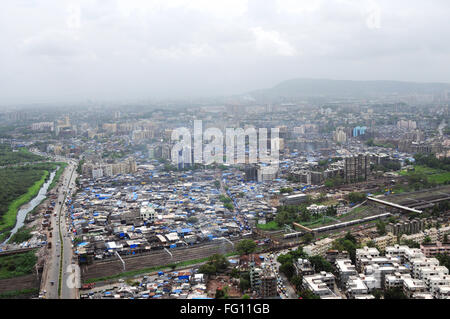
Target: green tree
[
  {"x": 297, "y": 282},
  {"x": 287, "y": 269},
  {"x": 307, "y": 294},
  {"x": 377, "y": 293},
  {"x": 427, "y": 240},
  {"x": 208, "y": 269},
  {"x": 220, "y": 262},
  {"x": 381, "y": 227},
  {"x": 220, "y": 294},
  {"x": 307, "y": 238},
  {"x": 394, "y": 293},
  {"x": 320, "y": 264},
  {"x": 246, "y": 246},
  {"x": 356, "y": 197},
  {"x": 244, "y": 284}
]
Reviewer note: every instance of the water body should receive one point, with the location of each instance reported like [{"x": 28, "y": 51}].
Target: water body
[{"x": 25, "y": 209}]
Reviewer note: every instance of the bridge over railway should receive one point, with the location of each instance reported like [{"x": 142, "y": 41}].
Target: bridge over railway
[{"x": 394, "y": 205}]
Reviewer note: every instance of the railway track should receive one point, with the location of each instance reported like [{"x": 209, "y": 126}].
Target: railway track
[{"x": 159, "y": 258}]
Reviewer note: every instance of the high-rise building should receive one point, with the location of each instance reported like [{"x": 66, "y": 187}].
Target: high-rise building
[
  {"x": 339, "y": 135},
  {"x": 268, "y": 285},
  {"x": 358, "y": 131},
  {"x": 356, "y": 168}
]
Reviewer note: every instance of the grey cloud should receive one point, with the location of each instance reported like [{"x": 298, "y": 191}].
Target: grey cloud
[{"x": 155, "y": 48}]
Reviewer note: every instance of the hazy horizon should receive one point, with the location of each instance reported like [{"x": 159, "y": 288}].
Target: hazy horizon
[{"x": 67, "y": 51}]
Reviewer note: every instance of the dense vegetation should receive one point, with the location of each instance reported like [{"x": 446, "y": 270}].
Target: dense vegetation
[
  {"x": 8, "y": 157},
  {"x": 286, "y": 215},
  {"x": 444, "y": 260},
  {"x": 287, "y": 268},
  {"x": 356, "y": 197},
  {"x": 371, "y": 142},
  {"x": 23, "y": 234},
  {"x": 19, "y": 294},
  {"x": 216, "y": 263},
  {"x": 428, "y": 172},
  {"x": 23, "y": 184},
  {"x": 17, "y": 265},
  {"x": 347, "y": 243},
  {"x": 334, "y": 182},
  {"x": 394, "y": 293},
  {"x": 246, "y": 246},
  {"x": 432, "y": 161},
  {"x": 227, "y": 202}
]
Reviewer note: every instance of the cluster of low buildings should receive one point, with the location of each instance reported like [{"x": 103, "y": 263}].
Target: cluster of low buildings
[
  {"x": 418, "y": 276},
  {"x": 175, "y": 209},
  {"x": 171, "y": 285},
  {"x": 414, "y": 270}
]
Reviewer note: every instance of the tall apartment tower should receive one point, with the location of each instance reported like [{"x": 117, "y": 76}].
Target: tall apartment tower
[
  {"x": 268, "y": 285},
  {"x": 356, "y": 168}
]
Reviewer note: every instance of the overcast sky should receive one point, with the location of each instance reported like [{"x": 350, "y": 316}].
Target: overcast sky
[{"x": 114, "y": 49}]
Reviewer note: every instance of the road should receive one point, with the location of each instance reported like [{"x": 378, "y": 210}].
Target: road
[
  {"x": 68, "y": 258},
  {"x": 54, "y": 263},
  {"x": 284, "y": 287}
]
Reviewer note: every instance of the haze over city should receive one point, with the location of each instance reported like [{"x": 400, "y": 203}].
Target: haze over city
[{"x": 66, "y": 51}]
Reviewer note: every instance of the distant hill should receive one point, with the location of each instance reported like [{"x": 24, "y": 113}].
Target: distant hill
[{"x": 338, "y": 88}]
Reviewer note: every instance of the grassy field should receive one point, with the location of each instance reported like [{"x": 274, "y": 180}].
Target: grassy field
[
  {"x": 434, "y": 175},
  {"x": 359, "y": 212},
  {"x": 18, "y": 294},
  {"x": 8, "y": 220},
  {"x": 17, "y": 265},
  {"x": 270, "y": 226},
  {"x": 8, "y": 157},
  {"x": 320, "y": 221}
]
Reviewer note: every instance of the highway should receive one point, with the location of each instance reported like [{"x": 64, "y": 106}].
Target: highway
[
  {"x": 55, "y": 263},
  {"x": 67, "y": 256}
]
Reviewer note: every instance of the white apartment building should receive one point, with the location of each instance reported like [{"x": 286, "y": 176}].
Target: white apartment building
[
  {"x": 356, "y": 286},
  {"x": 369, "y": 281},
  {"x": 395, "y": 280},
  {"x": 443, "y": 293},
  {"x": 404, "y": 252},
  {"x": 428, "y": 272},
  {"x": 322, "y": 284},
  {"x": 380, "y": 271},
  {"x": 345, "y": 269},
  {"x": 436, "y": 282},
  {"x": 413, "y": 286},
  {"x": 364, "y": 254},
  {"x": 319, "y": 248},
  {"x": 419, "y": 263}
]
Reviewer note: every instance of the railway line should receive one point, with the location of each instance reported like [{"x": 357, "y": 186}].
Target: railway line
[{"x": 159, "y": 258}]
